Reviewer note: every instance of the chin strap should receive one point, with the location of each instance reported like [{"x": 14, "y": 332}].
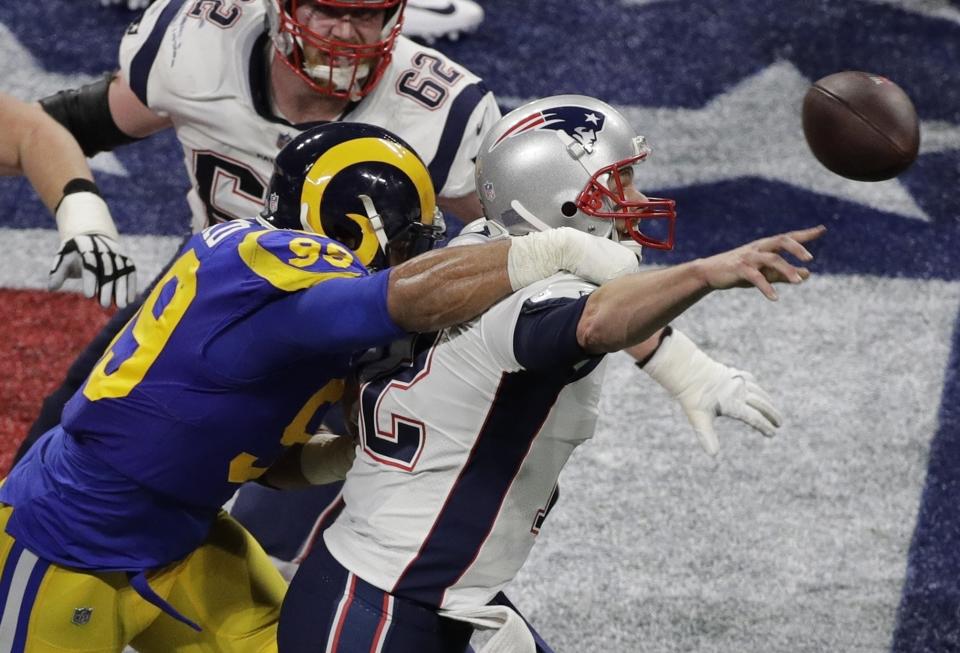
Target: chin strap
[
  {"x": 629, "y": 243},
  {"x": 375, "y": 221}
]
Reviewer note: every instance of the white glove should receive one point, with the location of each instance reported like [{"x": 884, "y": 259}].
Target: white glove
[
  {"x": 707, "y": 389},
  {"x": 90, "y": 249},
  {"x": 539, "y": 255}
]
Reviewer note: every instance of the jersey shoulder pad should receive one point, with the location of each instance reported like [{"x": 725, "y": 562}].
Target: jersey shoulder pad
[
  {"x": 427, "y": 82},
  {"x": 479, "y": 231},
  {"x": 410, "y": 54},
  {"x": 184, "y": 49},
  {"x": 559, "y": 286},
  {"x": 295, "y": 260},
  {"x": 498, "y": 325},
  {"x": 437, "y": 106},
  {"x": 226, "y": 234}
]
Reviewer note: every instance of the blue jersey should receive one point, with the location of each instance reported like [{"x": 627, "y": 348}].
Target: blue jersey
[{"x": 236, "y": 354}]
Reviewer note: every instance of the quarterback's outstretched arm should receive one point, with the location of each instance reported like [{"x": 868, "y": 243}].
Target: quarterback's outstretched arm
[
  {"x": 629, "y": 310},
  {"x": 455, "y": 284}
]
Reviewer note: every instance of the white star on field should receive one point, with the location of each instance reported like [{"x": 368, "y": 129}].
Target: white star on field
[
  {"x": 593, "y": 118},
  {"x": 754, "y": 130},
  {"x": 22, "y": 77}
]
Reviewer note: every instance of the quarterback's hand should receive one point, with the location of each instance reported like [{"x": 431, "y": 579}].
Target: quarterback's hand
[
  {"x": 90, "y": 250},
  {"x": 760, "y": 263},
  {"x": 707, "y": 389}
]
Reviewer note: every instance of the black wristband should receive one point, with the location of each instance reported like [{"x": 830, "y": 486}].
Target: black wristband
[
  {"x": 80, "y": 185},
  {"x": 77, "y": 185},
  {"x": 667, "y": 330}
]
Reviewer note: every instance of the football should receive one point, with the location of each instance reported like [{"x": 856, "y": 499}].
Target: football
[{"x": 861, "y": 126}]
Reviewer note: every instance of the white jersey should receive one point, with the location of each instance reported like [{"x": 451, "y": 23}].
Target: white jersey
[
  {"x": 205, "y": 66},
  {"x": 459, "y": 456}
]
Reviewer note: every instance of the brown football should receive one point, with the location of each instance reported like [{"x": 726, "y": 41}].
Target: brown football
[{"x": 861, "y": 126}]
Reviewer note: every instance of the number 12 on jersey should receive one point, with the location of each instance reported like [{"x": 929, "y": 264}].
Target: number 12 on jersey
[{"x": 386, "y": 435}]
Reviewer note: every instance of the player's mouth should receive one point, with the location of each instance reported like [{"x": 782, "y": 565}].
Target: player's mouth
[{"x": 338, "y": 72}]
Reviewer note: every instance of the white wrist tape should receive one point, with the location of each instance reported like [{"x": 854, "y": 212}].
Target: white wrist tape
[
  {"x": 326, "y": 458},
  {"x": 532, "y": 257},
  {"x": 678, "y": 364},
  {"x": 539, "y": 255},
  {"x": 84, "y": 213}
]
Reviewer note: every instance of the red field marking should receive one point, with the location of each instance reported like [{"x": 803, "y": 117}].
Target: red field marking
[{"x": 43, "y": 332}]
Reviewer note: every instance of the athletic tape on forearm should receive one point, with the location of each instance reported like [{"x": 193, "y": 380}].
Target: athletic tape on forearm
[
  {"x": 539, "y": 255},
  {"x": 678, "y": 363},
  {"x": 84, "y": 213},
  {"x": 533, "y": 257}
]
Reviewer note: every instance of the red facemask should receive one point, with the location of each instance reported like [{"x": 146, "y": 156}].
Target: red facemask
[
  {"x": 339, "y": 68},
  {"x": 597, "y": 198}
]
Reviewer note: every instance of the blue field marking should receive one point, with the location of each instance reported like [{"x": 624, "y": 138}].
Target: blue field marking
[
  {"x": 928, "y": 619},
  {"x": 676, "y": 53}
]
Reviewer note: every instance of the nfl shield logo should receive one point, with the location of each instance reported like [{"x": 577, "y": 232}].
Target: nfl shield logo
[
  {"x": 488, "y": 191},
  {"x": 81, "y": 616}
]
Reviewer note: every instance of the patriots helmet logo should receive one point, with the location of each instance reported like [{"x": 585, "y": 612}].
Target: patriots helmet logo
[{"x": 579, "y": 123}]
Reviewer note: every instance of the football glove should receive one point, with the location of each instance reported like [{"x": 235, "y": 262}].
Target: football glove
[
  {"x": 707, "y": 389},
  {"x": 90, "y": 250}
]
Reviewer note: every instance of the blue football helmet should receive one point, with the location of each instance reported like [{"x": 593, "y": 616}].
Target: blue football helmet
[{"x": 357, "y": 184}]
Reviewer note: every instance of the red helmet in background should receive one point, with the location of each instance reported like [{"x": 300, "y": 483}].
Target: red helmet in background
[{"x": 328, "y": 65}]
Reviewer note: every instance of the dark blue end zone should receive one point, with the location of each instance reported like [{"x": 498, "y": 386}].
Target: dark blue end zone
[{"x": 928, "y": 620}]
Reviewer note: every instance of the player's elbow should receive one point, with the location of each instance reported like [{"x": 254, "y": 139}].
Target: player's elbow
[{"x": 591, "y": 332}]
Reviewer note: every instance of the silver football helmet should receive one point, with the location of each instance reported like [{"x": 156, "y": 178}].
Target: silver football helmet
[{"x": 564, "y": 161}]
